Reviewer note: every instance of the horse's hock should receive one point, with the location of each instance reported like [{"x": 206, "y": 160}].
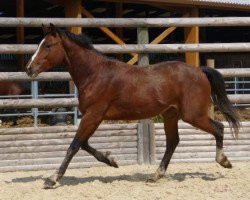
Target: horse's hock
[{"x": 45, "y": 147}]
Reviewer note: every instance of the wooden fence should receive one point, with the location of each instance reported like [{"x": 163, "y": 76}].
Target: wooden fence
[
  {"x": 198, "y": 146},
  {"x": 125, "y": 22},
  {"x": 141, "y": 48},
  {"x": 134, "y": 22},
  {"x": 45, "y": 147}
]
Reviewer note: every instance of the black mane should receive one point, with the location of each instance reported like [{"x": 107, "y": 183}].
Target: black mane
[{"x": 82, "y": 40}]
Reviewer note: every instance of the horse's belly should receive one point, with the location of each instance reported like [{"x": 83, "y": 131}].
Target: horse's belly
[{"x": 133, "y": 113}]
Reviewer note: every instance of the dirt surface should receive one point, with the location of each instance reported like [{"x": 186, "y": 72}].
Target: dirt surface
[{"x": 183, "y": 181}]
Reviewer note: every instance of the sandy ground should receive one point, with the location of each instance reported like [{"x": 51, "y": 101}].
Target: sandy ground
[{"x": 183, "y": 181}]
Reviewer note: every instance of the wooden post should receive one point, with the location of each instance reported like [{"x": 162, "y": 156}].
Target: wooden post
[
  {"x": 105, "y": 30},
  {"x": 192, "y": 37},
  {"x": 73, "y": 10},
  {"x": 152, "y": 154},
  {"x": 142, "y": 38},
  {"x": 210, "y": 63},
  {"x": 157, "y": 40},
  {"x": 119, "y": 31},
  {"x": 20, "y": 33},
  {"x": 145, "y": 127}
]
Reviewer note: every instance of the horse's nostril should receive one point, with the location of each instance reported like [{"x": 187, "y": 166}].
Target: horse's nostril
[{"x": 28, "y": 70}]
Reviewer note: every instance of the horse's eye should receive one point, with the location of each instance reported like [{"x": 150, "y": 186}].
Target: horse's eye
[{"x": 47, "y": 46}]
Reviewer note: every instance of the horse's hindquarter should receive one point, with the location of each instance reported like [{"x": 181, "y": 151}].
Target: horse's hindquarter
[{"x": 195, "y": 92}]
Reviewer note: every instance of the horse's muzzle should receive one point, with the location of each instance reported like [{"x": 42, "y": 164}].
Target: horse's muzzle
[{"x": 30, "y": 71}]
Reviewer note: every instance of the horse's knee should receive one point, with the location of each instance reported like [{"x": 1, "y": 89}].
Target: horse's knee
[
  {"x": 74, "y": 147},
  {"x": 85, "y": 145}
]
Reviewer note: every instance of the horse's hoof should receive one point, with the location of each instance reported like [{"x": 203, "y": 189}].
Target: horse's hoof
[
  {"x": 152, "y": 178},
  {"x": 225, "y": 163},
  {"x": 113, "y": 163},
  {"x": 48, "y": 184}
]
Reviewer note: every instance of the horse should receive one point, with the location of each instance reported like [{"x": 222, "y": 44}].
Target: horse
[
  {"x": 112, "y": 90},
  {"x": 10, "y": 88}
]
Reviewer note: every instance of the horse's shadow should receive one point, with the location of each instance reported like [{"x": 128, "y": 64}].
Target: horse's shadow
[
  {"x": 25, "y": 179},
  {"x": 137, "y": 177},
  {"x": 204, "y": 176}
]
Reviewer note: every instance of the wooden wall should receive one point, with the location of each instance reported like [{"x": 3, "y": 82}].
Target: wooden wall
[
  {"x": 45, "y": 148},
  {"x": 198, "y": 146},
  {"x": 28, "y": 150}
]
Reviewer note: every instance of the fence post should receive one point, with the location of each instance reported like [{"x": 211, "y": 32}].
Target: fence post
[
  {"x": 145, "y": 133},
  {"x": 34, "y": 92}
]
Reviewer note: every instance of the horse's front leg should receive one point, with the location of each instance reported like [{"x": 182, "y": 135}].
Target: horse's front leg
[
  {"x": 89, "y": 123},
  {"x": 72, "y": 150}
]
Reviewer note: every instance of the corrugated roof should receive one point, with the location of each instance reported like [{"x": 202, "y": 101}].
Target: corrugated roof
[
  {"x": 222, "y": 4},
  {"x": 239, "y": 2},
  {"x": 243, "y": 5}
]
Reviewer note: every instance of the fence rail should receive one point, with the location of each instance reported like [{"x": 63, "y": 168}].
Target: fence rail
[
  {"x": 141, "y": 48},
  {"x": 126, "y": 22},
  {"x": 65, "y": 76},
  {"x": 71, "y": 102},
  {"x": 45, "y": 76},
  {"x": 38, "y": 103}
]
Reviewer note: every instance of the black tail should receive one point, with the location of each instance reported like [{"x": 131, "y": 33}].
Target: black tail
[{"x": 220, "y": 98}]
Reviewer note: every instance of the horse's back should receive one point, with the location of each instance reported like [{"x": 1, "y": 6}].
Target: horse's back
[{"x": 181, "y": 72}]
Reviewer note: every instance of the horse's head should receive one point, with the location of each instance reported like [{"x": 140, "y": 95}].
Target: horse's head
[{"x": 49, "y": 53}]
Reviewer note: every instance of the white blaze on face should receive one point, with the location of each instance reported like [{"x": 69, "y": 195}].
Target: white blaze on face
[{"x": 38, "y": 49}]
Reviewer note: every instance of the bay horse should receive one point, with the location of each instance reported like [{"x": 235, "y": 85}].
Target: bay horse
[
  {"x": 10, "y": 88},
  {"x": 113, "y": 90}
]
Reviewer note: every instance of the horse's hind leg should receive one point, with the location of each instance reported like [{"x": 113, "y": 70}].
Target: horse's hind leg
[
  {"x": 219, "y": 135},
  {"x": 217, "y": 130},
  {"x": 102, "y": 157},
  {"x": 171, "y": 118}
]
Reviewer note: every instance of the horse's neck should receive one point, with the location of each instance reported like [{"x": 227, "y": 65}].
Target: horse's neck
[{"x": 81, "y": 63}]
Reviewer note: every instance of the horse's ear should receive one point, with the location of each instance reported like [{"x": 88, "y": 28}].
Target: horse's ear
[
  {"x": 45, "y": 29},
  {"x": 52, "y": 29}
]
